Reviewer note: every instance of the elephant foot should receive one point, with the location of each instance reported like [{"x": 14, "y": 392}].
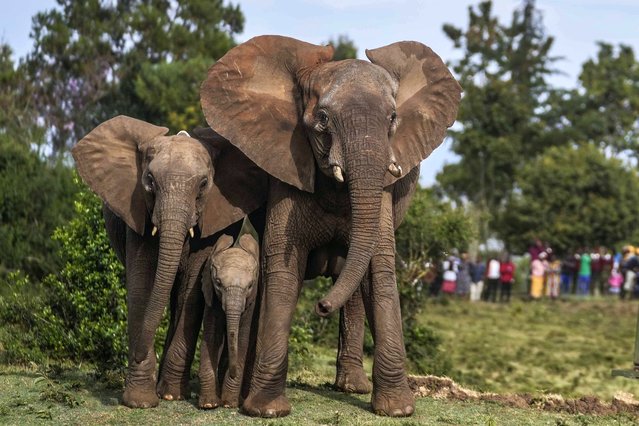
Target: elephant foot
[
  {"x": 208, "y": 401},
  {"x": 353, "y": 380},
  {"x": 230, "y": 400},
  {"x": 231, "y": 394},
  {"x": 173, "y": 391},
  {"x": 397, "y": 402},
  {"x": 138, "y": 397},
  {"x": 257, "y": 406}
]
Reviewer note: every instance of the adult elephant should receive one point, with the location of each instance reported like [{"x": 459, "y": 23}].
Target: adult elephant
[
  {"x": 164, "y": 205},
  {"x": 334, "y": 136}
]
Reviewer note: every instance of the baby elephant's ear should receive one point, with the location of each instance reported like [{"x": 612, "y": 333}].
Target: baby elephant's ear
[
  {"x": 223, "y": 243},
  {"x": 248, "y": 243}
]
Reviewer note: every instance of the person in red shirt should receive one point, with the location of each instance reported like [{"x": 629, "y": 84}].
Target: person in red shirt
[{"x": 506, "y": 278}]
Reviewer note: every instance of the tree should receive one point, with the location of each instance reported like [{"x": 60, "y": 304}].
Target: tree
[
  {"x": 503, "y": 73},
  {"x": 17, "y": 116},
  {"x": 431, "y": 228},
  {"x": 344, "y": 48},
  {"x": 35, "y": 198},
  {"x": 96, "y": 59},
  {"x": 572, "y": 197},
  {"x": 604, "y": 110}
]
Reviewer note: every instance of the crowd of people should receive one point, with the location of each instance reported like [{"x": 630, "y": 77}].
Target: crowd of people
[
  {"x": 478, "y": 280},
  {"x": 583, "y": 272}
]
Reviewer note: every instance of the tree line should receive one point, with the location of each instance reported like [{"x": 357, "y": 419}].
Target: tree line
[{"x": 535, "y": 160}]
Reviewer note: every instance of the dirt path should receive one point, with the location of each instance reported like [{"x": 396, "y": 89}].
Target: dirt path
[{"x": 445, "y": 388}]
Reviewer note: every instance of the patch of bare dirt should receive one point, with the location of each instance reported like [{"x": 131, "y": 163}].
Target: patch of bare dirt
[{"x": 445, "y": 388}]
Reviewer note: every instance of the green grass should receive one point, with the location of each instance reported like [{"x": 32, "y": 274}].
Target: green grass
[
  {"x": 74, "y": 397},
  {"x": 562, "y": 347},
  {"x": 566, "y": 347}
]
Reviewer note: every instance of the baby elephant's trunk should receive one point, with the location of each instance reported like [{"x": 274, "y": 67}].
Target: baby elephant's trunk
[{"x": 234, "y": 301}]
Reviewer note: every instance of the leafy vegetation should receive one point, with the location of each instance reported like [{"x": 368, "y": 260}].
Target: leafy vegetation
[
  {"x": 591, "y": 203},
  {"x": 85, "y": 74}
]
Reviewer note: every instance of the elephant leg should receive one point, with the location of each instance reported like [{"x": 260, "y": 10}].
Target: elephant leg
[
  {"x": 350, "y": 375},
  {"x": 281, "y": 290},
  {"x": 139, "y": 390},
  {"x": 391, "y": 393},
  {"x": 186, "y": 321},
  {"x": 210, "y": 350},
  {"x": 233, "y": 385}
]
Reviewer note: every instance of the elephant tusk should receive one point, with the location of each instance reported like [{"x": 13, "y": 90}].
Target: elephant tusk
[
  {"x": 191, "y": 232},
  {"x": 337, "y": 173},
  {"x": 154, "y": 231},
  {"x": 395, "y": 169},
  {"x": 183, "y": 133}
]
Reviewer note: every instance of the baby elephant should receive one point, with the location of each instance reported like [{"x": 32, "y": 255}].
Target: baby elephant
[{"x": 230, "y": 288}]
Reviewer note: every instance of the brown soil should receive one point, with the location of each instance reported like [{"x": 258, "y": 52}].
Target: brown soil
[{"x": 445, "y": 388}]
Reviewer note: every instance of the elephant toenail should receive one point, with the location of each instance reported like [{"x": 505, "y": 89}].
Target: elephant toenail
[
  {"x": 168, "y": 397},
  {"x": 270, "y": 413}
]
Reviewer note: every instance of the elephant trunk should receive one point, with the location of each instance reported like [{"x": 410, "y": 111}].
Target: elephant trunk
[
  {"x": 172, "y": 233},
  {"x": 365, "y": 168},
  {"x": 233, "y": 308}
]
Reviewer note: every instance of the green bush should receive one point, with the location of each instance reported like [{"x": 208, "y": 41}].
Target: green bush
[
  {"x": 78, "y": 313},
  {"x": 36, "y": 196},
  {"x": 89, "y": 295}
]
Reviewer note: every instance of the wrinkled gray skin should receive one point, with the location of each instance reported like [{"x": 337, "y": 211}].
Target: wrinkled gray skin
[
  {"x": 331, "y": 134},
  {"x": 157, "y": 191},
  {"x": 328, "y": 261},
  {"x": 229, "y": 285}
]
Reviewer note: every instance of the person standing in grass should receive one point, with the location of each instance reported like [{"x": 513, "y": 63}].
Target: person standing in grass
[
  {"x": 463, "y": 276},
  {"x": 537, "y": 271},
  {"x": 492, "y": 279},
  {"x": 506, "y": 278},
  {"x": 477, "y": 271},
  {"x": 553, "y": 277},
  {"x": 449, "y": 285},
  {"x": 585, "y": 273},
  {"x": 567, "y": 268}
]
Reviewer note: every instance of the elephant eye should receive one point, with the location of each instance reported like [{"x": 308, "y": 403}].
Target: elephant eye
[
  {"x": 322, "y": 118},
  {"x": 393, "y": 117},
  {"x": 150, "y": 182},
  {"x": 203, "y": 183}
]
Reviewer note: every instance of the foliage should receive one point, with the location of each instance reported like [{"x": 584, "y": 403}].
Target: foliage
[
  {"x": 344, "y": 48},
  {"x": 88, "y": 295},
  {"x": 35, "y": 197},
  {"x": 79, "y": 313},
  {"x": 604, "y": 112},
  {"x": 432, "y": 228},
  {"x": 88, "y": 56},
  {"x": 593, "y": 201},
  {"x": 17, "y": 117},
  {"x": 503, "y": 72}
]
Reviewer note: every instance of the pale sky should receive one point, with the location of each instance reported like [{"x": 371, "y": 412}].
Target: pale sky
[{"x": 576, "y": 25}]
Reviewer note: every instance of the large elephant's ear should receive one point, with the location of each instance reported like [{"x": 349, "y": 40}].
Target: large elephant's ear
[
  {"x": 108, "y": 160},
  {"x": 251, "y": 98},
  {"x": 239, "y": 185},
  {"x": 427, "y": 99}
]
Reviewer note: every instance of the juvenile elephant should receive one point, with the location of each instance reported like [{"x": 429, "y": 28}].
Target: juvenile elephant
[
  {"x": 335, "y": 137},
  {"x": 230, "y": 287},
  {"x": 164, "y": 205}
]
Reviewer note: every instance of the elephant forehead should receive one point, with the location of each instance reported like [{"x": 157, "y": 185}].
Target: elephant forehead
[
  {"x": 354, "y": 77},
  {"x": 234, "y": 261}
]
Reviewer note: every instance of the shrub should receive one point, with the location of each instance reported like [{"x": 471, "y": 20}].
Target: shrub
[{"x": 88, "y": 295}]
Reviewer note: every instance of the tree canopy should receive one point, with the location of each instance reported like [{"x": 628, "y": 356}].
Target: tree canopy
[
  {"x": 93, "y": 60},
  {"x": 511, "y": 119}
]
